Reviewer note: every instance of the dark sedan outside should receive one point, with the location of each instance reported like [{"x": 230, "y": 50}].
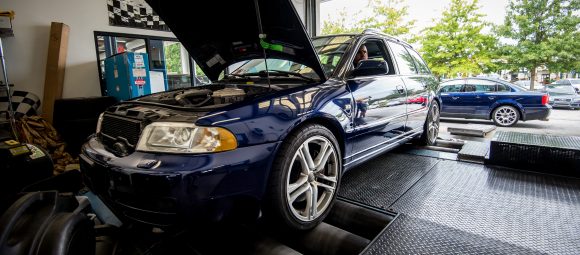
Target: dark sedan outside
[{"x": 485, "y": 98}]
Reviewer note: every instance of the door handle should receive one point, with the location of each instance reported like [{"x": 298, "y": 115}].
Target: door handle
[
  {"x": 491, "y": 98},
  {"x": 400, "y": 89},
  {"x": 455, "y": 98}
]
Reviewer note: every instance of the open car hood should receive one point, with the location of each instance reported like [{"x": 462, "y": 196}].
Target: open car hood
[{"x": 218, "y": 33}]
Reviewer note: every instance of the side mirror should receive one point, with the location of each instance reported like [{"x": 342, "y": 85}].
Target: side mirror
[{"x": 370, "y": 67}]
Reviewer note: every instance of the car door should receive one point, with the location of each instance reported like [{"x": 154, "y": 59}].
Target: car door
[
  {"x": 416, "y": 82},
  {"x": 450, "y": 94},
  {"x": 467, "y": 100},
  {"x": 380, "y": 112},
  {"x": 482, "y": 98}
]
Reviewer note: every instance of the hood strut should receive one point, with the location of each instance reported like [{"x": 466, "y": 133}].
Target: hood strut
[{"x": 262, "y": 36}]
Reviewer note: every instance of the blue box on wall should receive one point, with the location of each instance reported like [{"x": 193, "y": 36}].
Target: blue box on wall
[{"x": 127, "y": 75}]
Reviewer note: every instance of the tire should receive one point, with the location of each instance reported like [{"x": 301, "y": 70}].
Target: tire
[
  {"x": 505, "y": 116},
  {"x": 297, "y": 182},
  {"x": 431, "y": 126}
]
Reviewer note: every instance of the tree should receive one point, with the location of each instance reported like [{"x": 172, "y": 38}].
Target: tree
[
  {"x": 338, "y": 25},
  {"x": 173, "y": 58},
  {"x": 455, "y": 45},
  {"x": 545, "y": 32},
  {"x": 388, "y": 16}
]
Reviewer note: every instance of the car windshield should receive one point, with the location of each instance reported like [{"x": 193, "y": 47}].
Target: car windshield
[
  {"x": 555, "y": 89},
  {"x": 257, "y": 67},
  {"x": 330, "y": 50}
]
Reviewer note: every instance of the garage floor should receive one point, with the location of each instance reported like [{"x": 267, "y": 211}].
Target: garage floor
[{"x": 451, "y": 207}]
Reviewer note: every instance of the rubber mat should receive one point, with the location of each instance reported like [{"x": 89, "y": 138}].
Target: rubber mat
[
  {"x": 381, "y": 181},
  {"x": 410, "y": 235},
  {"x": 539, "y": 212}
]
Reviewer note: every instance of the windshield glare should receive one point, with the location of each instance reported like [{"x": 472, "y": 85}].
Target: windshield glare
[
  {"x": 255, "y": 66},
  {"x": 330, "y": 51}
]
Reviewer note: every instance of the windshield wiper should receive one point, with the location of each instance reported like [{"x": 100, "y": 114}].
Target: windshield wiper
[
  {"x": 274, "y": 72},
  {"x": 237, "y": 75}
]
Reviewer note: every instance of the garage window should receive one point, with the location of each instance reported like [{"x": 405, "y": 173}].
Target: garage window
[{"x": 170, "y": 66}]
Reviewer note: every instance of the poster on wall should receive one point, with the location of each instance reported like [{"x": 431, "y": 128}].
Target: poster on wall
[{"x": 134, "y": 14}]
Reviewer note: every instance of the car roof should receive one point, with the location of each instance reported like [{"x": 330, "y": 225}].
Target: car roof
[
  {"x": 477, "y": 78},
  {"x": 369, "y": 31}
]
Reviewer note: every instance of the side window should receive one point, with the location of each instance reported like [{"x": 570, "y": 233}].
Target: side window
[
  {"x": 452, "y": 88},
  {"x": 404, "y": 60},
  {"x": 377, "y": 50},
  {"x": 421, "y": 66},
  {"x": 485, "y": 88},
  {"x": 469, "y": 88},
  {"x": 480, "y": 85},
  {"x": 503, "y": 88}
]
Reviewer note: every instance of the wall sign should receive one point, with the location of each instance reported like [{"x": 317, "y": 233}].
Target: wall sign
[{"x": 135, "y": 14}]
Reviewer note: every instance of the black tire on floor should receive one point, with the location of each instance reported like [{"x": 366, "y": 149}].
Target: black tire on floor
[
  {"x": 434, "y": 112},
  {"x": 277, "y": 209}
]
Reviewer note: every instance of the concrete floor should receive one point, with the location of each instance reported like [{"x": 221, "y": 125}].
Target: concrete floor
[{"x": 563, "y": 122}]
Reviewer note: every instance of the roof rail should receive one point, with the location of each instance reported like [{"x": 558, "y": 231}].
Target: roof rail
[{"x": 379, "y": 32}]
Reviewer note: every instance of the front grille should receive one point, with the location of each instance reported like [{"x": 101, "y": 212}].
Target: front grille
[{"x": 114, "y": 127}]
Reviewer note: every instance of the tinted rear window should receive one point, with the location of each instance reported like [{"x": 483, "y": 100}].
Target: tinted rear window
[
  {"x": 503, "y": 88},
  {"x": 452, "y": 88}
]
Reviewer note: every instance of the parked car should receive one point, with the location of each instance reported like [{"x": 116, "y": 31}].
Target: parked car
[
  {"x": 276, "y": 135},
  {"x": 563, "y": 96},
  {"x": 573, "y": 82},
  {"x": 484, "y": 98}
]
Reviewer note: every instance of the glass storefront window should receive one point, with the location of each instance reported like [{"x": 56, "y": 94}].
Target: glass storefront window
[{"x": 170, "y": 66}]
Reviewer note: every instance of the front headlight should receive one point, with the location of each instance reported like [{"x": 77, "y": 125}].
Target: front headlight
[{"x": 175, "y": 137}]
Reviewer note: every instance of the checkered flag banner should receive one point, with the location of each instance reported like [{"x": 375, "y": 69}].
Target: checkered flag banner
[
  {"x": 23, "y": 103},
  {"x": 134, "y": 13}
]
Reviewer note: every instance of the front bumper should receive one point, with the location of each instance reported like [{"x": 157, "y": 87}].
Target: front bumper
[
  {"x": 176, "y": 188},
  {"x": 565, "y": 104},
  {"x": 538, "y": 113}
]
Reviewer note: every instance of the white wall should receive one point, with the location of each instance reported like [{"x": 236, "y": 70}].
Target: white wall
[{"x": 26, "y": 52}]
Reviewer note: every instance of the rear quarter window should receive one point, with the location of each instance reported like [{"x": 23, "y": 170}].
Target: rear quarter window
[{"x": 503, "y": 88}]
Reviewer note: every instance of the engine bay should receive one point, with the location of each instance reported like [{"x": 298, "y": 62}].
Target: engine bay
[{"x": 209, "y": 96}]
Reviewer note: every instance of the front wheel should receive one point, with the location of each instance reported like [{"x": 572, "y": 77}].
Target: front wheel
[
  {"x": 431, "y": 126},
  {"x": 505, "y": 116},
  {"x": 305, "y": 178}
]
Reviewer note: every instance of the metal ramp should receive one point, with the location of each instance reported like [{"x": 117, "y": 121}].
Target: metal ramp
[
  {"x": 473, "y": 151},
  {"x": 542, "y": 153},
  {"x": 472, "y": 130}
]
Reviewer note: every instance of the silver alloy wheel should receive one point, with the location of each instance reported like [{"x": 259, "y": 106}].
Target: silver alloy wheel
[
  {"x": 433, "y": 125},
  {"x": 505, "y": 115},
  {"x": 310, "y": 185}
]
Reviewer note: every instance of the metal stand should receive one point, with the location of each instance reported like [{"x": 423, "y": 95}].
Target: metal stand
[{"x": 10, "y": 110}]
